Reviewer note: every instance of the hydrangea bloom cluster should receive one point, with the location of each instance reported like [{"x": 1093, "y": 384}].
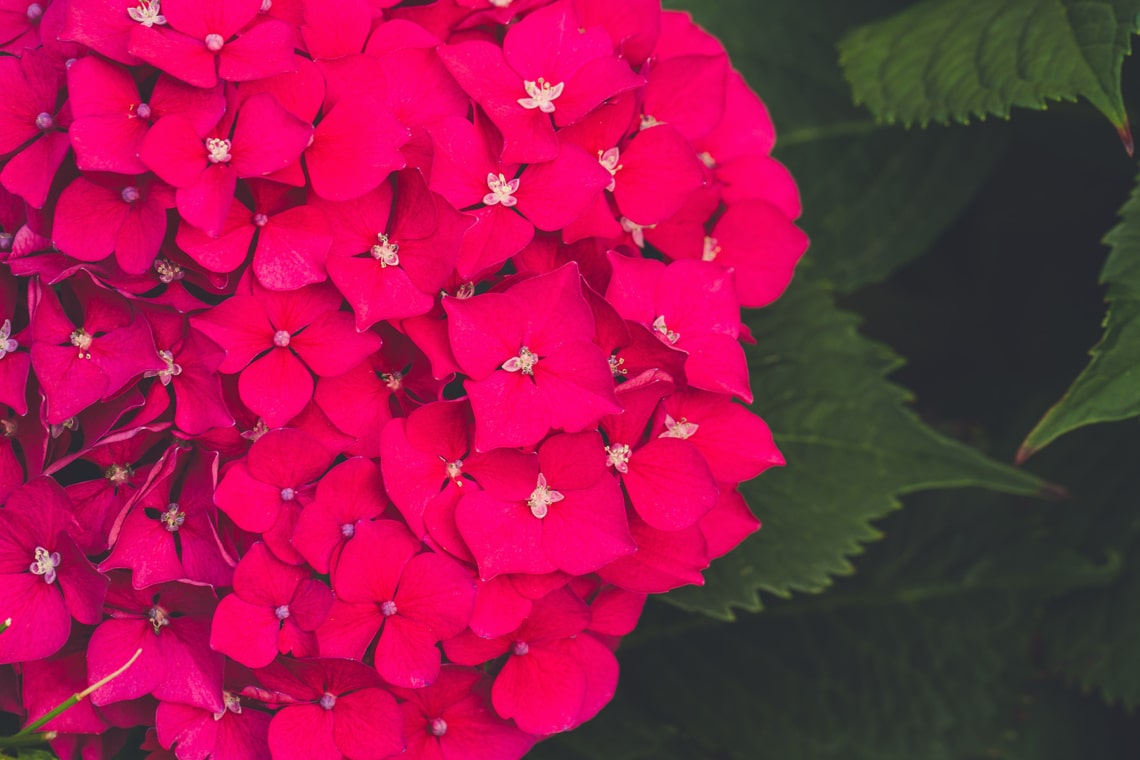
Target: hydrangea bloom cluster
[{"x": 364, "y": 367}]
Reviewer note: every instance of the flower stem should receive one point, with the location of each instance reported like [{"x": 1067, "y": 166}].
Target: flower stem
[
  {"x": 76, "y": 698},
  {"x": 5, "y": 625}
]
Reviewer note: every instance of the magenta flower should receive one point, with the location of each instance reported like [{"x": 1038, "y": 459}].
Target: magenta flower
[
  {"x": 261, "y": 138},
  {"x": 530, "y": 359},
  {"x": 335, "y": 708},
  {"x": 92, "y": 358},
  {"x": 557, "y": 510},
  {"x": 170, "y": 532},
  {"x": 236, "y": 733},
  {"x": 412, "y": 600},
  {"x": 280, "y": 468},
  {"x": 349, "y": 495},
  {"x": 112, "y": 116},
  {"x": 31, "y": 121},
  {"x": 275, "y": 339},
  {"x": 691, "y": 306},
  {"x": 555, "y": 677},
  {"x": 664, "y": 560},
  {"x": 170, "y": 623},
  {"x": 45, "y": 580},
  {"x": 451, "y": 719},
  {"x": 548, "y": 66},
  {"x": 274, "y": 608},
  {"x": 202, "y": 41}
]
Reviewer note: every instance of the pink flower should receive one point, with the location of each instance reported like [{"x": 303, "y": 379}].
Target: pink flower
[
  {"x": 531, "y": 362},
  {"x": 236, "y": 733},
  {"x": 557, "y": 510},
  {"x": 275, "y": 339},
  {"x": 31, "y": 121},
  {"x": 451, "y": 719},
  {"x": 349, "y": 495},
  {"x": 335, "y": 708},
  {"x": 412, "y": 600},
  {"x": 274, "y": 608},
  {"x": 45, "y": 580}
]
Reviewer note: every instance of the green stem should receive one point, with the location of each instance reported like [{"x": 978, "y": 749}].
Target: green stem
[
  {"x": 5, "y": 625},
  {"x": 813, "y": 134},
  {"x": 31, "y": 740},
  {"x": 75, "y": 698}
]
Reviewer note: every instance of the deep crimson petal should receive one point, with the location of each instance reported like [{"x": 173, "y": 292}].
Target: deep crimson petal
[
  {"x": 438, "y": 593},
  {"x": 87, "y": 220},
  {"x": 349, "y": 629},
  {"x": 543, "y": 690},
  {"x": 303, "y": 732},
  {"x": 587, "y": 529},
  {"x": 577, "y": 386},
  {"x": 499, "y": 608},
  {"x": 484, "y": 331},
  {"x": 249, "y": 502},
  {"x": 369, "y": 725},
  {"x": 224, "y": 252},
  {"x": 660, "y": 170},
  {"x": 30, "y": 172},
  {"x": 665, "y": 560},
  {"x": 670, "y": 484},
  {"x": 178, "y": 55},
  {"x": 174, "y": 150},
  {"x": 728, "y": 523},
  {"x": 245, "y": 632},
  {"x": 676, "y": 83},
  {"x": 763, "y": 245},
  {"x": 267, "y": 137},
  {"x": 291, "y": 249},
  {"x": 504, "y": 536},
  {"x": 277, "y": 387},
  {"x": 263, "y": 50},
  {"x": 40, "y": 621},
  {"x": 206, "y": 203},
  {"x": 377, "y": 293},
  {"x": 591, "y": 85},
  {"x": 198, "y": 18},
  {"x": 333, "y": 35},
  {"x": 510, "y": 410},
  {"x": 351, "y": 491},
  {"x": 370, "y": 565},
  {"x": 554, "y": 193},
  {"x": 331, "y": 345},
  {"x": 355, "y": 147},
  {"x": 407, "y": 654},
  {"x": 601, "y": 669},
  {"x": 239, "y": 325},
  {"x": 717, "y": 363}
]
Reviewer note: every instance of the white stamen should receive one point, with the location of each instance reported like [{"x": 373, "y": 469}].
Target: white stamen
[
  {"x": 681, "y": 428},
  {"x": 171, "y": 370},
  {"x": 707, "y": 159},
  {"x": 542, "y": 95},
  {"x": 260, "y": 220},
  {"x": 393, "y": 381},
  {"x": 542, "y": 497},
  {"x": 712, "y": 249},
  {"x": 388, "y": 608},
  {"x": 119, "y": 474},
  {"x": 130, "y": 194},
  {"x": 218, "y": 150},
  {"x": 173, "y": 518},
  {"x": 636, "y": 231},
  {"x": 282, "y": 612},
  {"x": 265, "y": 6},
  {"x": 259, "y": 429},
  {"x": 438, "y": 726},
  {"x": 7, "y": 344},
  {"x": 609, "y": 161},
  {"x": 35, "y": 11},
  {"x": 617, "y": 456},
  {"x": 281, "y": 338},
  {"x": 82, "y": 340},
  {"x": 663, "y": 331},
  {"x": 502, "y": 191},
  {"x": 232, "y": 704},
  {"x": 167, "y": 271},
  {"x": 158, "y": 618},
  {"x": 387, "y": 253},
  {"x": 148, "y": 13},
  {"x": 327, "y": 701},
  {"x": 288, "y": 494},
  {"x": 648, "y": 121},
  {"x": 615, "y": 366},
  {"x": 524, "y": 362},
  {"x": 348, "y": 530},
  {"x": 214, "y": 42},
  {"x": 142, "y": 110},
  {"x": 45, "y": 564}
]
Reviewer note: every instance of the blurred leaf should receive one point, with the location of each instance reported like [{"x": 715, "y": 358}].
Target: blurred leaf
[
  {"x": 874, "y": 197},
  {"x": 852, "y": 448},
  {"x": 951, "y": 60},
  {"x": 1109, "y": 387}
]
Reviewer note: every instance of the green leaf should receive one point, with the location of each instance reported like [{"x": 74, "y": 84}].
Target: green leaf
[
  {"x": 874, "y": 197},
  {"x": 952, "y": 60},
  {"x": 852, "y": 446},
  {"x": 1109, "y": 387}
]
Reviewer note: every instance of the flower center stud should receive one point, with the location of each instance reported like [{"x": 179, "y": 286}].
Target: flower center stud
[
  {"x": 44, "y": 563},
  {"x": 502, "y": 190},
  {"x": 712, "y": 249},
  {"x": 707, "y": 159},
  {"x": 327, "y": 701},
  {"x": 388, "y": 608},
  {"x": 231, "y": 702},
  {"x": 142, "y": 110},
  {"x": 609, "y": 161},
  {"x": 438, "y": 727},
  {"x": 615, "y": 366},
  {"x": 664, "y": 332},
  {"x": 542, "y": 497},
  {"x": 173, "y": 518},
  {"x": 386, "y": 252},
  {"x": 148, "y": 13},
  {"x": 35, "y": 11},
  {"x": 635, "y": 230},
  {"x": 282, "y": 612},
  {"x": 617, "y": 456},
  {"x": 7, "y": 343},
  {"x": 158, "y": 618},
  {"x": 288, "y": 494},
  {"x": 260, "y": 220},
  {"x": 281, "y": 338},
  {"x": 523, "y": 363},
  {"x": 130, "y": 194},
  {"x": 520, "y": 648},
  {"x": 82, "y": 340},
  {"x": 454, "y": 471},
  {"x": 348, "y": 530},
  {"x": 542, "y": 95},
  {"x": 681, "y": 428},
  {"x": 648, "y": 121},
  {"x": 214, "y": 42},
  {"x": 218, "y": 150}
]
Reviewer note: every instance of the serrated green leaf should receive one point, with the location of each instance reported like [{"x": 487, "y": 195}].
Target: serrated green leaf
[
  {"x": 874, "y": 197},
  {"x": 852, "y": 446},
  {"x": 1109, "y": 387},
  {"x": 953, "y": 60}
]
